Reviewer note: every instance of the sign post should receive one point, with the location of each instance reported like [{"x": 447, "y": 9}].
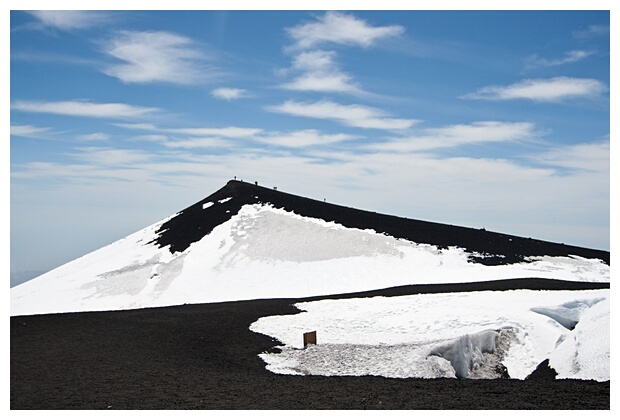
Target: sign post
[{"x": 309, "y": 338}]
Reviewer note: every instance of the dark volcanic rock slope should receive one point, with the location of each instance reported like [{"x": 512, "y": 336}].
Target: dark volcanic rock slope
[{"x": 490, "y": 248}]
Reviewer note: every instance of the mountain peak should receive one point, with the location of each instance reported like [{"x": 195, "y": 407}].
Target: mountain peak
[
  {"x": 193, "y": 223},
  {"x": 489, "y": 248}
]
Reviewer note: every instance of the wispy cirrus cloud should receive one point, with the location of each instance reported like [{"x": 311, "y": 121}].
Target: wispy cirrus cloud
[
  {"x": 228, "y": 132},
  {"x": 569, "y": 57},
  {"x": 138, "y": 126},
  {"x": 459, "y": 134},
  {"x": 591, "y": 31},
  {"x": 158, "y": 57},
  {"x": 93, "y": 137},
  {"x": 46, "y": 132},
  {"x": 292, "y": 140},
  {"x": 85, "y": 109},
  {"x": 591, "y": 157},
  {"x": 238, "y": 137},
  {"x": 304, "y": 138},
  {"x": 229, "y": 94},
  {"x": 109, "y": 156},
  {"x": 199, "y": 143},
  {"x": 69, "y": 20},
  {"x": 159, "y": 138},
  {"x": 340, "y": 28},
  {"x": 28, "y": 131},
  {"x": 541, "y": 90},
  {"x": 350, "y": 115}
]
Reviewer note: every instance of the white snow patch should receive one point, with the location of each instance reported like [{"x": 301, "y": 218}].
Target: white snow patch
[
  {"x": 443, "y": 335},
  {"x": 210, "y": 203}
]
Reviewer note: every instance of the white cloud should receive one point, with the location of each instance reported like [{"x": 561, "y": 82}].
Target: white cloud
[
  {"x": 138, "y": 126},
  {"x": 159, "y": 138},
  {"x": 111, "y": 156},
  {"x": 214, "y": 137},
  {"x": 542, "y": 90},
  {"x": 591, "y": 157},
  {"x": 229, "y": 132},
  {"x": 460, "y": 134},
  {"x": 68, "y": 20},
  {"x": 320, "y": 73},
  {"x": 150, "y": 57},
  {"x": 199, "y": 143},
  {"x": 592, "y": 30},
  {"x": 304, "y": 138},
  {"x": 317, "y": 60},
  {"x": 93, "y": 137},
  {"x": 569, "y": 57},
  {"x": 336, "y": 83},
  {"x": 84, "y": 109},
  {"x": 340, "y": 28},
  {"x": 28, "y": 130},
  {"x": 351, "y": 115},
  {"x": 229, "y": 94}
]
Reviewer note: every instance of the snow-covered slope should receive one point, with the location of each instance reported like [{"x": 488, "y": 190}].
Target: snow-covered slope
[{"x": 243, "y": 243}]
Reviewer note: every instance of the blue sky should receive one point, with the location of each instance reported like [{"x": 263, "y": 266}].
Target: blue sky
[{"x": 495, "y": 119}]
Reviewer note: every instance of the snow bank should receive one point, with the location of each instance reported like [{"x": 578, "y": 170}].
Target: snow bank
[
  {"x": 567, "y": 314},
  {"x": 584, "y": 352},
  {"x": 444, "y": 335}
]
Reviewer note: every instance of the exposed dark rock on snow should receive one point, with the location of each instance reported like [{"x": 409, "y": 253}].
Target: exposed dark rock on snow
[
  {"x": 489, "y": 248},
  {"x": 543, "y": 372}
]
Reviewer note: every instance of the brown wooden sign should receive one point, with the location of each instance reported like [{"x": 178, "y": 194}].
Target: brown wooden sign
[{"x": 309, "y": 338}]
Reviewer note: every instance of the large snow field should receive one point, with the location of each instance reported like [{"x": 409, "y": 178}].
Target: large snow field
[
  {"x": 447, "y": 335},
  {"x": 265, "y": 252}
]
